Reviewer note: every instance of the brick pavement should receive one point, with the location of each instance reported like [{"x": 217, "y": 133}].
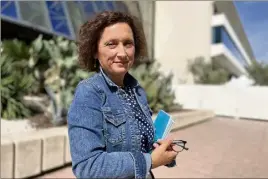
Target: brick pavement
[{"x": 218, "y": 148}]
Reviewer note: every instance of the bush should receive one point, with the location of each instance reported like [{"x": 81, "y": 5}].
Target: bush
[
  {"x": 15, "y": 79},
  {"x": 44, "y": 67},
  {"x": 258, "y": 71},
  {"x": 208, "y": 73},
  {"x": 157, "y": 86}
]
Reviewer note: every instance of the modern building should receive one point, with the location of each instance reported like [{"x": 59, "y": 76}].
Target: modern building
[
  {"x": 52, "y": 17},
  {"x": 185, "y": 30},
  {"x": 177, "y": 32},
  {"x": 27, "y": 19}
]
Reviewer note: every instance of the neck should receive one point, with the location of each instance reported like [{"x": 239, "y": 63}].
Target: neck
[{"x": 117, "y": 79}]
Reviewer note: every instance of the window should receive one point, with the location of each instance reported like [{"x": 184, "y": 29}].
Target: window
[
  {"x": 220, "y": 35},
  {"x": 87, "y": 8},
  {"x": 57, "y": 17},
  {"x": 34, "y": 13},
  {"x": 8, "y": 8},
  {"x": 100, "y": 6},
  {"x": 76, "y": 15},
  {"x": 110, "y": 5}
]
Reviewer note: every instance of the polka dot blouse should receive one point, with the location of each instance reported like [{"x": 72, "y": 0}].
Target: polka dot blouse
[{"x": 145, "y": 126}]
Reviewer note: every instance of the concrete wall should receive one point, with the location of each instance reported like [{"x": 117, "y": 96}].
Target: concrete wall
[
  {"x": 28, "y": 154},
  {"x": 144, "y": 10},
  {"x": 182, "y": 32},
  {"x": 243, "y": 102},
  {"x": 147, "y": 11}
]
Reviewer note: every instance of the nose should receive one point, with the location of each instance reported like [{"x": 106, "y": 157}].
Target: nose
[{"x": 121, "y": 51}]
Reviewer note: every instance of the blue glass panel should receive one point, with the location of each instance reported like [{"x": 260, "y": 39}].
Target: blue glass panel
[
  {"x": 8, "y": 8},
  {"x": 231, "y": 46},
  {"x": 57, "y": 17},
  {"x": 87, "y": 8},
  {"x": 110, "y": 5},
  {"x": 100, "y": 5},
  {"x": 220, "y": 35}
]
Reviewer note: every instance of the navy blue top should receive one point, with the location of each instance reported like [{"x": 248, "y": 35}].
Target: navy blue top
[{"x": 146, "y": 130}]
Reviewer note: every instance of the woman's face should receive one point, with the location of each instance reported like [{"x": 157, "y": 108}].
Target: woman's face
[{"x": 116, "y": 49}]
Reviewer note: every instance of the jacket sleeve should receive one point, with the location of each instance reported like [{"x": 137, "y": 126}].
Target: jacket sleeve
[{"x": 87, "y": 146}]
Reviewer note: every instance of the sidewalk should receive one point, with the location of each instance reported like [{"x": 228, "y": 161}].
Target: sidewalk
[{"x": 218, "y": 148}]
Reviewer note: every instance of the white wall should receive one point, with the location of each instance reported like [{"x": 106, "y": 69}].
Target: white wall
[
  {"x": 244, "y": 102},
  {"x": 182, "y": 32}
]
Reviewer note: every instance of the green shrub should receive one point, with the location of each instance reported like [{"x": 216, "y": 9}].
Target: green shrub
[
  {"x": 208, "y": 72},
  {"x": 15, "y": 83},
  {"x": 157, "y": 86},
  {"x": 258, "y": 71}
]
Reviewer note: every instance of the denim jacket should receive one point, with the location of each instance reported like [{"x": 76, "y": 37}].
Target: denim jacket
[{"x": 104, "y": 139}]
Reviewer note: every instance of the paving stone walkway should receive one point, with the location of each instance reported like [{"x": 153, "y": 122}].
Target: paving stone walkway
[{"x": 221, "y": 147}]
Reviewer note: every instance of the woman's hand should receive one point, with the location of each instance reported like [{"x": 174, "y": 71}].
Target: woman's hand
[{"x": 163, "y": 153}]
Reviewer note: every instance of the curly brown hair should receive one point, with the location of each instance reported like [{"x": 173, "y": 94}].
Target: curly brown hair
[{"x": 91, "y": 31}]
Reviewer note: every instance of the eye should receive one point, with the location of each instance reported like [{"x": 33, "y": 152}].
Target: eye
[
  {"x": 111, "y": 44},
  {"x": 128, "y": 44}
]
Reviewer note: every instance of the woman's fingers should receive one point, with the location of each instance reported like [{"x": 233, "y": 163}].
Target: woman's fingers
[{"x": 156, "y": 145}]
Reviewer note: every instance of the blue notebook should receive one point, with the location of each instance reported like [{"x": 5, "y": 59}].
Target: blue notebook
[{"x": 162, "y": 125}]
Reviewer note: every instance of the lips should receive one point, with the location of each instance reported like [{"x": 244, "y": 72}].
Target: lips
[{"x": 124, "y": 62}]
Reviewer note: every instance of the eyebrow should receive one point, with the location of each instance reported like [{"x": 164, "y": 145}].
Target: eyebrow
[{"x": 127, "y": 39}]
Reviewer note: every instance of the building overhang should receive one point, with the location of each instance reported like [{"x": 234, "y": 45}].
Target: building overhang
[
  {"x": 221, "y": 20},
  {"x": 228, "y": 8},
  {"x": 225, "y": 58}
]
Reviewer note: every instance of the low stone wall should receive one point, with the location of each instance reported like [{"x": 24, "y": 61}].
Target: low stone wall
[{"x": 32, "y": 153}]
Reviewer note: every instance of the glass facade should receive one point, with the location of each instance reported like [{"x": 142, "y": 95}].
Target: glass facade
[
  {"x": 34, "y": 13},
  {"x": 101, "y": 6},
  {"x": 220, "y": 35},
  {"x": 57, "y": 17},
  {"x": 8, "y": 8}
]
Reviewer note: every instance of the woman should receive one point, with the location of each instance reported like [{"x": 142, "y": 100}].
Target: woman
[{"x": 109, "y": 121}]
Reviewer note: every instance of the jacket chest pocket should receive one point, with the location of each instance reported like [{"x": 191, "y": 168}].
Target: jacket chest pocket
[{"x": 114, "y": 127}]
